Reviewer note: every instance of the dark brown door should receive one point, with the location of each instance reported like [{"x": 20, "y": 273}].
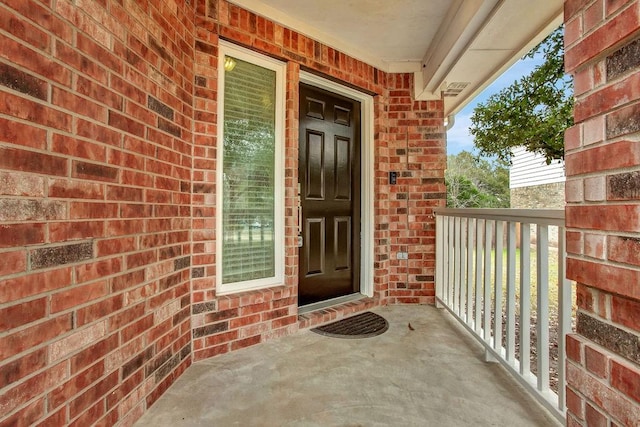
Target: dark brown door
[{"x": 329, "y": 175}]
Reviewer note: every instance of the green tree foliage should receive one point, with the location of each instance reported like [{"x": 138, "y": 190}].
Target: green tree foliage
[
  {"x": 533, "y": 112},
  {"x": 476, "y": 182}
]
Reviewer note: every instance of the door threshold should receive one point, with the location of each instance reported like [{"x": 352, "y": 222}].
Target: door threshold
[
  {"x": 319, "y": 313},
  {"x": 329, "y": 303}
]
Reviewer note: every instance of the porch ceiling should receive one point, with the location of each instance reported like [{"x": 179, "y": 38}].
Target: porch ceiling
[{"x": 453, "y": 46}]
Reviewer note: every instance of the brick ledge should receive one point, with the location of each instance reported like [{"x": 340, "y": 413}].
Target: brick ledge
[{"x": 328, "y": 314}]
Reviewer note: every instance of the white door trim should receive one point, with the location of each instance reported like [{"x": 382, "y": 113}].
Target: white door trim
[{"x": 366, "y": 173}]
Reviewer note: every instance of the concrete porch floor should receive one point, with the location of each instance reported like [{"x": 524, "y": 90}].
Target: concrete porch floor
[{"x": 430, "y": 376}]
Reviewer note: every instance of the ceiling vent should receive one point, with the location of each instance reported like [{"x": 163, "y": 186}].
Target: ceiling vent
[{"x": 455, "y": 88}]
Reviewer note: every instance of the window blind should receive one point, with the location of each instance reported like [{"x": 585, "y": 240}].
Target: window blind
[{"x": 248, "y": 172}]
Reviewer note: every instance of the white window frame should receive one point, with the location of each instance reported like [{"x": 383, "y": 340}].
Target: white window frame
[{"x": 224, "y": 49}]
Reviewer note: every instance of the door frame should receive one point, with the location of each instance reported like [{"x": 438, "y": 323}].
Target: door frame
[{"x": 367, "y": 146}]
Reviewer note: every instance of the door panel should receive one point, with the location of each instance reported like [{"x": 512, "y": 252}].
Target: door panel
[
  {"x": 343, "y": 168},
  {"x": 329, "y": 171},
  {"x": 315, "y": 248},
  {"x": 342, "y": 245},
  {"x": 315, "y": 169}
]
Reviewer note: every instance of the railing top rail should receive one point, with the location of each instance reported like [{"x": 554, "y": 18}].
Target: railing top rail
[{"x": 529, "y": 216}]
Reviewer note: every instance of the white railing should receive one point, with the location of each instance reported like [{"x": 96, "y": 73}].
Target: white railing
[{"x": 492, "y": 295}]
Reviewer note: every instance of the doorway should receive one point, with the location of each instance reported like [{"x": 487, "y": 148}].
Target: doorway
[{"x": 329, "y": 176}]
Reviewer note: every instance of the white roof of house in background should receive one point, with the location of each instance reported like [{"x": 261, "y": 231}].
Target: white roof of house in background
[{"x": 529, "y": 169}]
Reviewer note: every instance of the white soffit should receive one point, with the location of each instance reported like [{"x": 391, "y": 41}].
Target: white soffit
[
  {"x": 462, "y": 45},
  {"x": 392, "y": 35},
  {"x": 515, "y": 27}
]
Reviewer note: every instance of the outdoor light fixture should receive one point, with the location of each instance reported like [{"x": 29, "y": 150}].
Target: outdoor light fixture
[{"x": 229, "y": 63}]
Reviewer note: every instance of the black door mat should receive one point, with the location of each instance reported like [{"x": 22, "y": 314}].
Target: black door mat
[{"x": 363, "y": 325}]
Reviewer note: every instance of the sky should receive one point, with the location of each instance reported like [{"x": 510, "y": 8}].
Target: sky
[{"x": 458, "y": 137}]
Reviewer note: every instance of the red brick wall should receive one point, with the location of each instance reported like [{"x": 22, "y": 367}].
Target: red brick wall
[
  {"x": 95, "y": 222},
  {"x": 107, "y": 199},
  {"x": 225, "y": 323},
  {"x": 417, "y": 151},
  {"x": 603, "y": 211}
]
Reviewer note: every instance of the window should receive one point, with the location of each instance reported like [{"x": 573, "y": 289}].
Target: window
[{"x": 250, "y": 171}]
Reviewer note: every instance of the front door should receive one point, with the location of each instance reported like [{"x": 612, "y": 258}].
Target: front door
[{"x": 329, "y": 175}]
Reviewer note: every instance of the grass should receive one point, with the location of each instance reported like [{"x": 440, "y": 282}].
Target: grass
[
  {"x": 553, "y": 294},
  {"x": 553, "y": 284}
]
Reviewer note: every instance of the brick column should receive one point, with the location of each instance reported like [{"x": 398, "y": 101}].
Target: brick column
[
  {"x": 603, "y": 211},
  {"x": 417, "y": 152}
]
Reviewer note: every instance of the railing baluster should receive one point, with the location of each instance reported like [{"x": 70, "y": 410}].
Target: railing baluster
[
  {"x": 445, "y": 258},
  {"x": 542, "y": 323},
  {"x": 456, "y": 261},
  {"x": 464, "y": 224},
  {"x": 564, "y": 316},
  {"x": 451, "y": 266},
  {"x": 478, "y": 281},
  {"x": 497, "y": 325},
  {"x": 511, "y": 293},
  {"x": 488, "y": 236},
  {"x": 525, "y": 299},
  {"x": 471, "y": 232},
  {"x": 439, "y": 255}
]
